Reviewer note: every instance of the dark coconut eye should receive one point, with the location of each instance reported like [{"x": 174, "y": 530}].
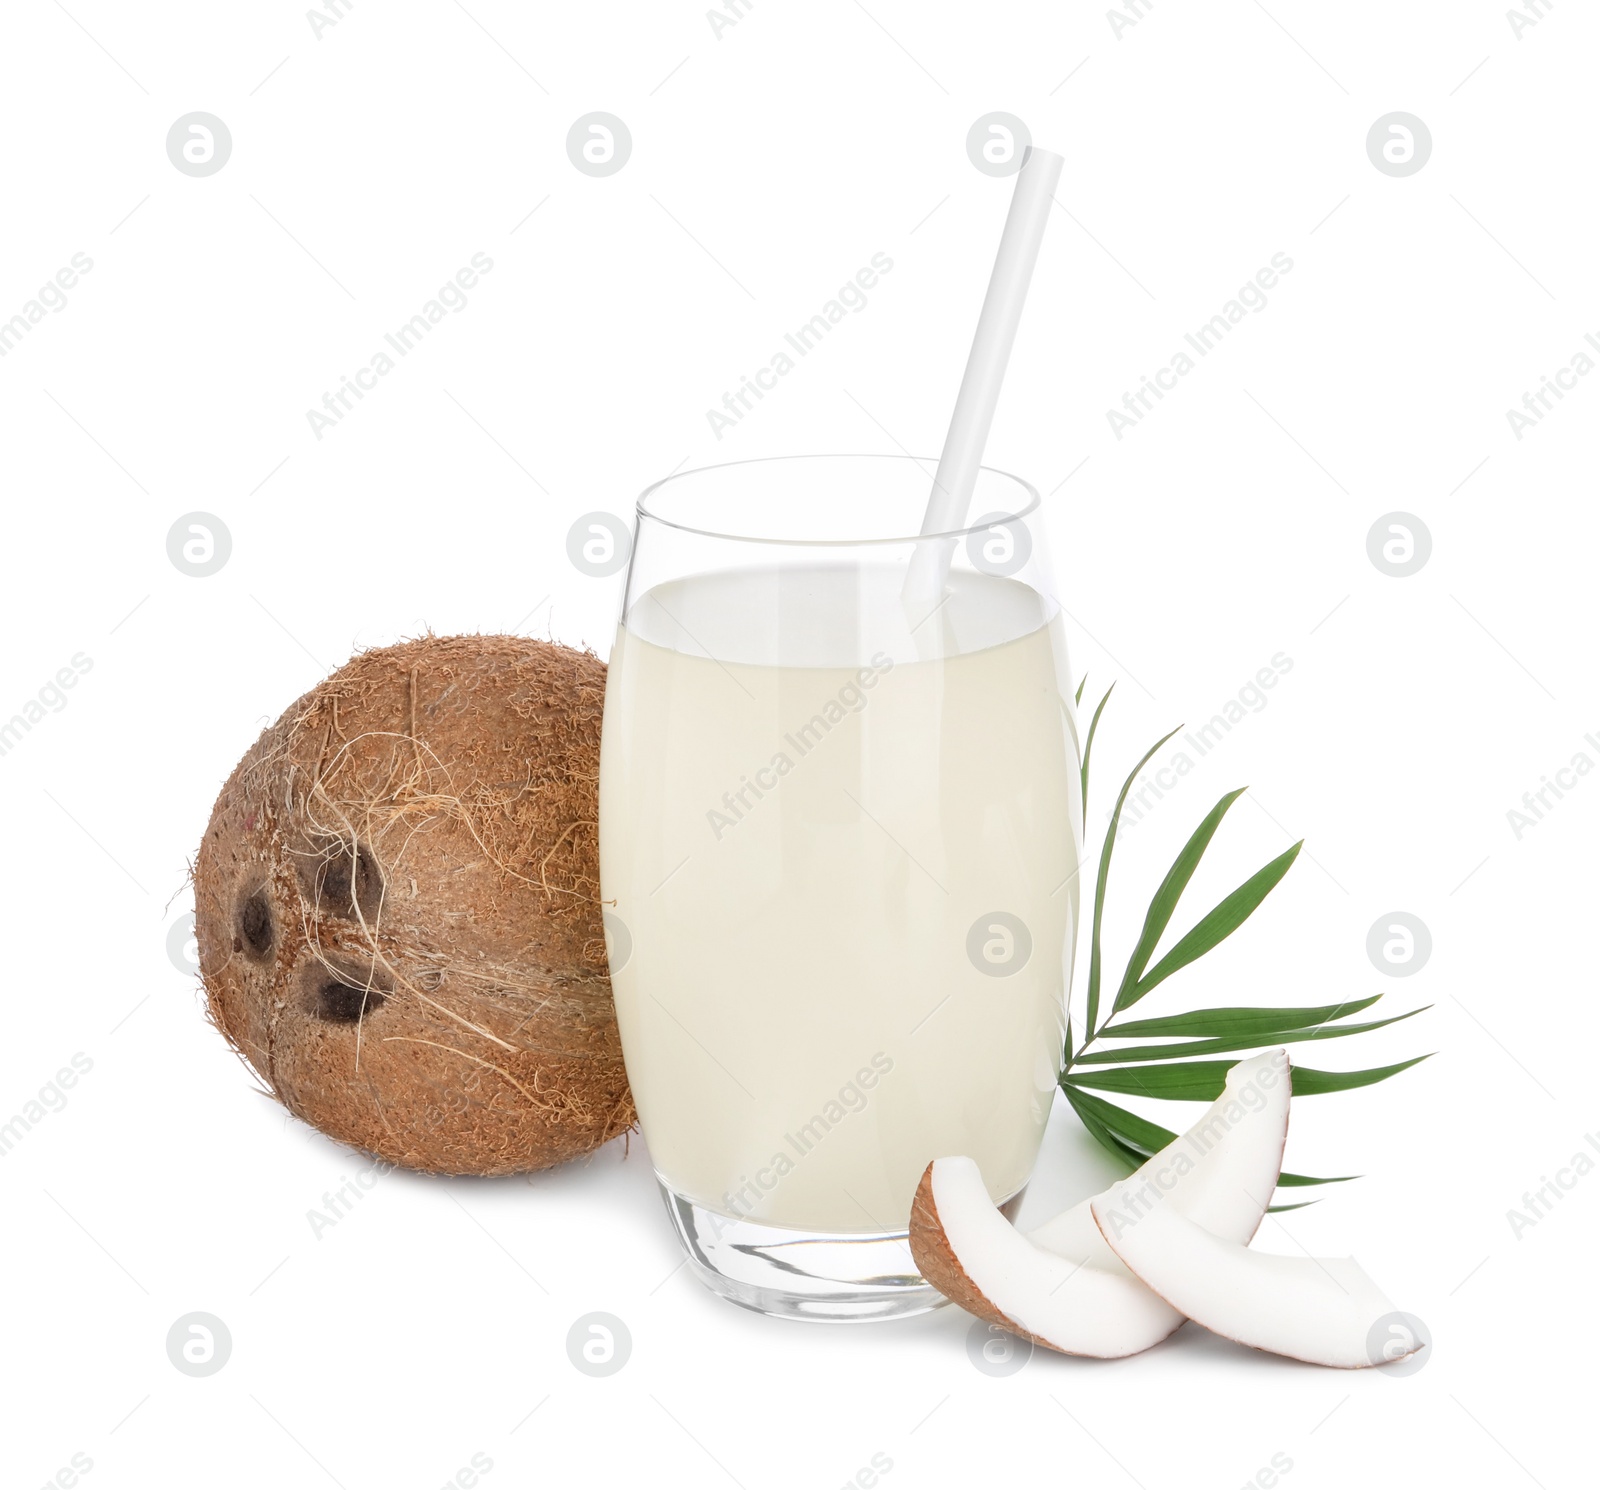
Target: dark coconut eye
[
  {"x": 341, "y": 1002},
  {"x": 254, "y": 921},
  {"x": 349, "y": 884}
]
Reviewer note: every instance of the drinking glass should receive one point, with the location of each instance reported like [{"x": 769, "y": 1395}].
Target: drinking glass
[{"x": 839, "y": 844}]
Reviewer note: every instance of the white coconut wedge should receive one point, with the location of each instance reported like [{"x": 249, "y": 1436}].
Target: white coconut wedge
[
  {"x": 1220, "y": 1173},
  {"x": 1324, "y": 1310},
  {"x": 1061, "y": 1285},
  {"x": 976, "y": 1258}
]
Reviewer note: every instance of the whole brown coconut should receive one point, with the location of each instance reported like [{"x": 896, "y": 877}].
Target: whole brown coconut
[{"x": 397, "y": 908}]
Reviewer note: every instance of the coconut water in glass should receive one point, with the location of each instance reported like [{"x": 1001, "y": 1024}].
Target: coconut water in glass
[{"x": 839, "y": 851}]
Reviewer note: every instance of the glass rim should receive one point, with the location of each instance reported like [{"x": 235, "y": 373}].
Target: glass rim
[{"x": 1031, "y": 506}]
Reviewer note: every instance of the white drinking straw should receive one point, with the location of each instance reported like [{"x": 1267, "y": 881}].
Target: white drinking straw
[{"x": 986, "y": 370}]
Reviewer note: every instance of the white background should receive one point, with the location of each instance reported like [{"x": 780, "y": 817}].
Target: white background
[{"x": 767, "y": 167}]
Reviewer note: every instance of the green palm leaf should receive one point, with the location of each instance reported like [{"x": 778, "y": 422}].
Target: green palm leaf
[
  {"x": 1201, "y": 1081},
  {"x": 1131, "y": 1131},
  {"x": 1169, "y": 1070},
  {"x": 1100, "y": 883},
  {"x": 1167, "y": 894},
  {"x": 1219, "y": 923},
  {"x": 1106, "y": 1135},
  {"x": 1309, "y": 1083},
  {"x": 1088, "y": 745},
  {"x": 1237, "y": 1021},
  {"x": 1228, "y": 1042}
]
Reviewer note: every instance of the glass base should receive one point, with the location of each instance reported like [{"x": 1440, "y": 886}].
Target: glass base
[{"x": 829, "y": 1277}]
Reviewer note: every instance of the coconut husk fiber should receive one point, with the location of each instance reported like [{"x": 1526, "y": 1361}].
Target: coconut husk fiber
[{"x": 397, "y": 908}]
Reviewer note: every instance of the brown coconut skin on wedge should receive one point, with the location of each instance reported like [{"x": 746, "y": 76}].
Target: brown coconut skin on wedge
[
  {"x": 397, "y": 908},
  {"x": 939, "y": 1265}
]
